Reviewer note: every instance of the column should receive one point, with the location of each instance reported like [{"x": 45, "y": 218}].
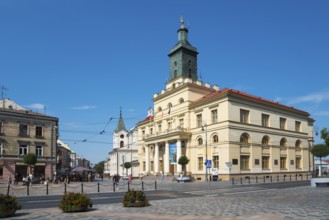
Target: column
[
  {"x": 179, "y": 154},
  {"x": 166, "y": 160},
  {"x": 147, "y": 159},
  {"x": 156, "y": 158}
]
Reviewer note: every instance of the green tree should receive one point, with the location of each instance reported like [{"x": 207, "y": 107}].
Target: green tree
[
  {"x": 30, "y": 160},
  {"x": 127, "y": 165},
  {"x": 183, "y": 160},
  {"x": 325, "y": 135},
  {"x": 320, "y": 150},
  {"x": 99, "y": 168}
]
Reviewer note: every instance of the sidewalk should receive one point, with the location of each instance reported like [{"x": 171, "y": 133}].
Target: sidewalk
[{"x": 302, "y": 203}]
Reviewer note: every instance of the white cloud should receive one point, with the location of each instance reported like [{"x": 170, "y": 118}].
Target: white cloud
[
  {"x": 36, "y": 106},
  {"x": 314, "y": 98},
  {"x": 83, "y": 107}
]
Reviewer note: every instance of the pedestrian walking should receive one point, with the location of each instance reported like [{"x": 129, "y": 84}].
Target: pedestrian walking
[
  {"x": 9, "y": 180},
  {"x": 16, "y": 177}
]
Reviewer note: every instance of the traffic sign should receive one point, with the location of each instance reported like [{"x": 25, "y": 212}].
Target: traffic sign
[{"x": 208, "y": 164}]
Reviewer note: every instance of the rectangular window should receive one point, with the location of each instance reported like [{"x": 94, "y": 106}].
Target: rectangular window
[
  {"x": 283, "y": 162},
  {"x": 235, "y": 161},
  {"x": 38, "y": 151},
  {"x": 151, "y": 130},
  {"x": 256, "y": 162},
  {"x": 244, "y": 163},
  {"x": 276, "y": 162},
  {"x": 292, "y": 162},
  {"x": 244, "y": 116},
  {"x": 1, "y": 127},
  {"x": 199, "y": 120},
  {"x": 215, "y": 161},
  {"x": 265, "y": 120},
  {"x": 169, "y": 125},
  {"x": 38, "y": 131},
  {"x": 144, "y": 165},
  {"x": 152, "y": 165},
  {"x": 159, "y": 128},
  {"x": 298, "y": 163},
  {"x": 200, "y": 163},
  {"x": 181, "y": 123},
  {"x": 23, "y": 149},
  {"x": 265, "y": 162},
  {"x": 298, "y": 126},
  {"x": 23, "y": 129},
  {"x": 214, "y": 116},
  {"x": 283, "y": 123},
  {"x": 1, "y": 171}
]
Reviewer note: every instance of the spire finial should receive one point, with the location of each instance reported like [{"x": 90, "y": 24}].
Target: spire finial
[
  {"x": 182, "y": 21},
  {"x": 120, "y": 111}
]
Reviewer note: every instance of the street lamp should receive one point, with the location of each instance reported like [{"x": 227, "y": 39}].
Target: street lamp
[
  {"x": 131, "y": 156},
  {"x": 203, "y": 129}
]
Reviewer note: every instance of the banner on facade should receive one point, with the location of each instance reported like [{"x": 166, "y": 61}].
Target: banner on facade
[{"x": 173, "y": 153}]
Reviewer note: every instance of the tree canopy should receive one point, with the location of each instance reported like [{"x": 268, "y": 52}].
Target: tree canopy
[
  {"x": 320, "y": 150},
  {"x": 127, "y": 165},
  {"x": 99, "y": 168},
  {"x": 325, "y": 135},
  {"x": 30, "y": 159}
]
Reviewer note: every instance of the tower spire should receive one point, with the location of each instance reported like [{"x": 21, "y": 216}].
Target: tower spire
[{"x": 121, "y": 124}]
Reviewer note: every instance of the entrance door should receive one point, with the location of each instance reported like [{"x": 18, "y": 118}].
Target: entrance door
[{"x": 172, "y": 169}]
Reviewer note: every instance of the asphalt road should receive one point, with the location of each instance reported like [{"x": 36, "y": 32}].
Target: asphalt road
[{"x": 173, "y": 191}]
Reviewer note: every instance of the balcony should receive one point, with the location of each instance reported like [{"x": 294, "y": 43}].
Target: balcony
[{"x": 179, "y": 131}]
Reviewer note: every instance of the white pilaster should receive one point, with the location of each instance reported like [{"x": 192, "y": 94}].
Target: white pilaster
[
  {"x": 156, "y": 158},
  {"x": 179, "y": 154},
  {"x": 147, "y": 159},
  {"x": 166, "y": 161}
]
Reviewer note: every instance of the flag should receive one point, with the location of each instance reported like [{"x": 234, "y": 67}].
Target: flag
[{"x": 149, "y": 113}]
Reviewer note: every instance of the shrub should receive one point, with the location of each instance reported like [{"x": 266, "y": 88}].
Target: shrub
[
  {"x": 8, "y": 205},
  {"x": 134, "y": 198},
  {"x": 75, "y": 202}
]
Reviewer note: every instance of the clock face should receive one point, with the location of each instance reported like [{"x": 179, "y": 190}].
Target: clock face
[{"x": 122, "y": 136}]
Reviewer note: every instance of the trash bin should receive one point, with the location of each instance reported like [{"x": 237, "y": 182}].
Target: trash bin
[{"x": 215, "y": 178}]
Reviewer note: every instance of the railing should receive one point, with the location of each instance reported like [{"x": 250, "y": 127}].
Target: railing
[
  {"x": 83, "y": 187},
  {"x": 269, "y": 179}
]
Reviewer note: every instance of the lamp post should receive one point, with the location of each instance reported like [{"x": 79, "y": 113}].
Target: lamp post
[
  {"x": 203, "y": 129},
  {"x": 131, "y": 155}
]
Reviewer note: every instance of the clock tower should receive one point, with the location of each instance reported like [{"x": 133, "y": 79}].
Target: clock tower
[{"x": 183, "y": 57}]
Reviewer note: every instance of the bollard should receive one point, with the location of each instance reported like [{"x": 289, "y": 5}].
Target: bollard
[
  {"x": 284, "y": 178},
  {"x": 277, "y": 178},
  {"x": 301, "y": 176},
  {"x": 27, "y": 189},
  {"x": 241, "y": 180},
  {"x": 249, "y": 180},
  {"x": 8, "y": 189},
  {"x": 290, "y": 177},
  {"x": 113, "y": 186},
  {"x": 232, "y": 181},
  {"x": 142, "y": 186},
  {"x": 98, "y": 187},
  {"x": 47, "y": 189},
  {"x": 81, "y": 187},
  {"x": 256, "y": 179},
  {"x": 64, "y": 188},
  {"x": 264, "y": 178},
  {"x": 271, "y": 178},
  {"x": 128, "y": 186},
  {"x": 155, "y": 185},
  {"x": 296, "y": 176}
]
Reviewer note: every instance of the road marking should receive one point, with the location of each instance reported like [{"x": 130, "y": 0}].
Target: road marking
[
  {"x": 241, "y": 192},
  {"x": 53, "y": 200}
]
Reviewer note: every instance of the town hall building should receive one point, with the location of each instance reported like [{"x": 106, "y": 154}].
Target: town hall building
[{"x": 222, "y": 129}]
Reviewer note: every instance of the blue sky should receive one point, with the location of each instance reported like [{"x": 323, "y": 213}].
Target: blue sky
[{"x": 84, "y": 60}]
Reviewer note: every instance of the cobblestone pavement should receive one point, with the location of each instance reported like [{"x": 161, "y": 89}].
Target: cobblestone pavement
[{"x": 298, "y": 203}]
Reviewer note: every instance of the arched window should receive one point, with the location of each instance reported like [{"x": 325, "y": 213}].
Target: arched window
[
  {"x": 181, "y": 100},
  {"x": 265, "y": 141},
  {"x": 244, "y": 139},
  {"x": 298, "y": 144},
  {"x": 200, "y": 141},
  {"x": 283, "y": 142},
  {"x": 122, "y": 144},
  {"x": 159, "y": 109},
  {"x": 215, "y": 139}
]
